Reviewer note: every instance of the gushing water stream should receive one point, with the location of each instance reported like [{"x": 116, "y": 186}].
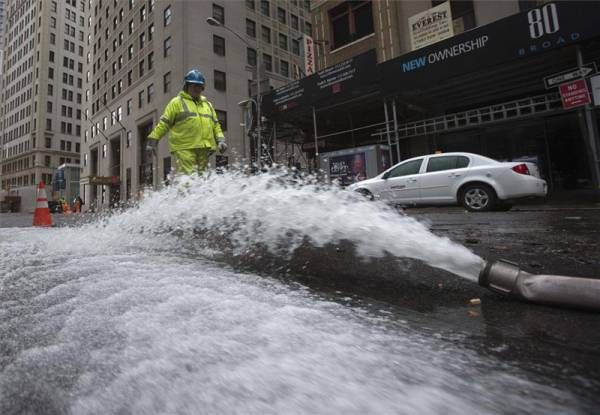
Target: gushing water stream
[
  {"x": 117, "y": 317},
  {"x": 280, "y": 213}
]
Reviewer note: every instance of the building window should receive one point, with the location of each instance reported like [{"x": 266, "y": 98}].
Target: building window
[
  {"x": 220, "y": 81},
  {"x": 251, "y": 57},
  {"x": 295, "y": 24},
  {"x": 150, "y": 60},
  {"x": 49, "y": 128},
  {"x": 219, "y": 45},
  {"x": 308, "y": 29},
  {"x": 284, "y": 68},
  {"x": 150, "y": 32},
  {"x": 283, "y": 41},
  {"x": 265, "y": 7},
  {"x": 150, "y": 92},
  {"x": 167, "y": 47},
  {"x": 349, "y": 21},
  {"x": 463, "y": 14},
  {"x": 296, "y": 47},
  {"x": 268, "y": 62},
  {"x": 222, "y": 116},
  {"x": 219, "y": 13},
  {"x": 142, "y": 40},
  {"x": 250, "y": 28},
  {"x": 140, "y": 99},
  {"x": 266, "y": 34},
  {"x": 250, "y": 4},
  {"x": 141, "y": 68},
  {"x": 167, "y": 82},
  {"x": 167, "y": 16},
  {"x": 129, "y": 107},
  {"x": 281, "y": 17},
  {"x": 142, "y": 13}
]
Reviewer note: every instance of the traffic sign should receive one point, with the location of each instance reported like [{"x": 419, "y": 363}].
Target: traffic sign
[
  {"x": 553, "y": 81},
  {"x": 574, "y": 94}
]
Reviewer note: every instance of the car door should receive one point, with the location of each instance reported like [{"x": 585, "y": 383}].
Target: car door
[
  {"x": 438, "y": 179},
  {"x": 402, "y": 182}
]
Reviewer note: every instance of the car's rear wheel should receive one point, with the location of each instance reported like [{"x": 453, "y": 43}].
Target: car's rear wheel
[
  {"x": 366, "y": 194},
  {"x": 478, "y": 197}
]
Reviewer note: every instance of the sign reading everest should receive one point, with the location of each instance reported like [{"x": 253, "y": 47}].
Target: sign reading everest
[
  {"x": 309, "y": 55},
  {"x": 431, "y": 26}
]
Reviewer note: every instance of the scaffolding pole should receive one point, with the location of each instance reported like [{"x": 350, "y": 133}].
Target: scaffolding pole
[
  {"x": 396, "y": 131},
  {"x": 592, "y": 135},
  {"x": 387, "y": 128},
  {"x": 316, "y": 135}
]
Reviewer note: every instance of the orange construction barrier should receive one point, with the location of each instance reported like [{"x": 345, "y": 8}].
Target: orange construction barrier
[{"x": 41, "y": 216}]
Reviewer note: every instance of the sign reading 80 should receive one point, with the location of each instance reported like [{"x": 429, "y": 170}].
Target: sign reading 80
[{"x": 543, "y": 21}]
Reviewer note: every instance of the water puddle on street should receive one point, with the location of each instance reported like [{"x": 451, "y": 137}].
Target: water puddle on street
[{"x": 120, "y": 316}]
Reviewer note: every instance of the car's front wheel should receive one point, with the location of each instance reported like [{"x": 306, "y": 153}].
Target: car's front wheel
[{"x": 478, "y": 197}]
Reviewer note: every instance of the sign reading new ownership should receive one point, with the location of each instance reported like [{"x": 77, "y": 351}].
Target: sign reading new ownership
[
  {"x": 550, "y": 26},
  {"x": 431, "y": 26}
]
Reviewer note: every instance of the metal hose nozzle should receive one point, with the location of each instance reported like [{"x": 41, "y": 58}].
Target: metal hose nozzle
[{"x": 506, "y": 278}]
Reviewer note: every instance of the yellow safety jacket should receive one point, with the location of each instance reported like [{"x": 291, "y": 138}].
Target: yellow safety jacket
[{"x": 191, "y": 124}]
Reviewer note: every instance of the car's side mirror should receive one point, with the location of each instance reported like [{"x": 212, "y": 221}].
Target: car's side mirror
[{"x": 385, "y": 176}]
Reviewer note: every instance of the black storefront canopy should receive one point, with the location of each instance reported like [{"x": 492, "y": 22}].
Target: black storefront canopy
[{"x": 518, "y": 45}]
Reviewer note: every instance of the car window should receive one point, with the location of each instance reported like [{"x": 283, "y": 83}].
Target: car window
[
  {"x": 410, "y": 167},
  {"x": 447, "y": 163}
]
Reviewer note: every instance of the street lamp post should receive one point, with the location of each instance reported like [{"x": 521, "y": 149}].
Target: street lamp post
[{"x": 214, "y": 22}]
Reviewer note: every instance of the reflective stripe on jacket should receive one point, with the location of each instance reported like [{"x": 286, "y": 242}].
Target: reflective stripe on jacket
[{"x": 190, "y": 123}]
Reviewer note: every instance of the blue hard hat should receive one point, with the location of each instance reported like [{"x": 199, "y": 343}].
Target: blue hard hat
[{"x": 194, "y": 77}]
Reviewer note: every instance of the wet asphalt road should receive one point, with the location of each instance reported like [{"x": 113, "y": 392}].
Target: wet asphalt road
[{"x": 559, "y": 345}]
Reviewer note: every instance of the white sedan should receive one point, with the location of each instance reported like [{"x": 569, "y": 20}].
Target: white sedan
[{"x": 476, "y": 182}]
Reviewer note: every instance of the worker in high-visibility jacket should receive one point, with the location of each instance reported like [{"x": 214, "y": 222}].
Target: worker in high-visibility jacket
[{"x": 194, "y": 130}]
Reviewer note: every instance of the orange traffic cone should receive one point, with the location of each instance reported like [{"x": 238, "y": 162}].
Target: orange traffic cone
[{"x": 42, "y": 217}]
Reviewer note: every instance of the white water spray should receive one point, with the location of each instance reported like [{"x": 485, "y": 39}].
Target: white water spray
[{"x": 280, "y": 213}]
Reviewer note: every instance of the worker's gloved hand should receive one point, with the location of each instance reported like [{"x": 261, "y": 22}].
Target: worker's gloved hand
[
  {"x": 222, "y": 146},
  {"x": 151, "y": 146}
]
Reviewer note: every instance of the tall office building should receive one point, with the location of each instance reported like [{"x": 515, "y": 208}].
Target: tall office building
[
  {"x": 138, "y": 54},
  {"x": 2, "y": 18},
  {"x": 42, "y": 89}
]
